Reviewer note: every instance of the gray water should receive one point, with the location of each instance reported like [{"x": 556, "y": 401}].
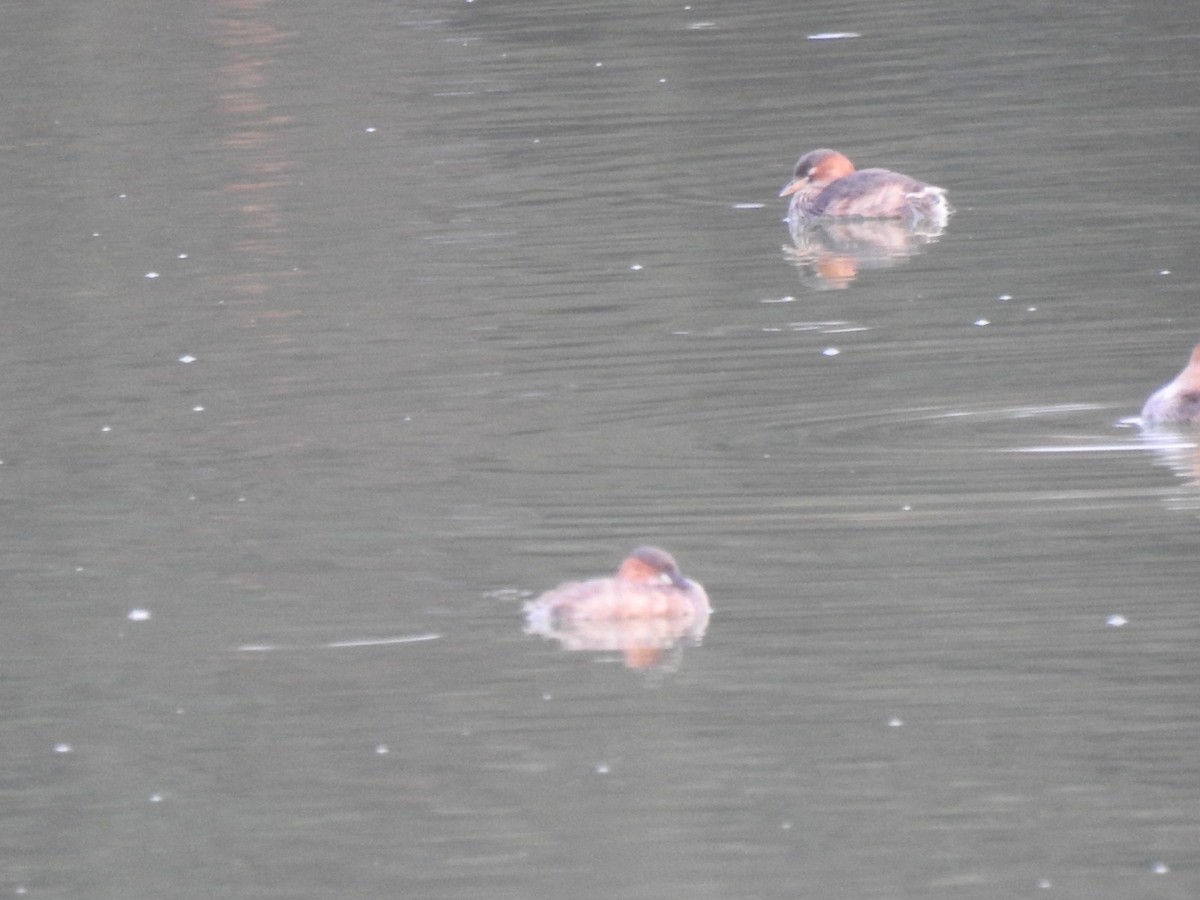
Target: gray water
[{"x": 333, "y": 332}]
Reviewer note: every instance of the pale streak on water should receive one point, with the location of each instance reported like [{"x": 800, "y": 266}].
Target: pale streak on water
[
  {"x": 472, "y": 296},
  {"x": 345, "y": 645}
]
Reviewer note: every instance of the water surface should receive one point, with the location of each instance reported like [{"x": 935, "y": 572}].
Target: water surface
[{"x": 361, "y": 325}]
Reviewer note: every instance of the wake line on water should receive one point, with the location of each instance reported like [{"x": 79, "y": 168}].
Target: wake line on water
[
  {"x": 1105, "y": 448},
  {"x": 342, "y": 645}
]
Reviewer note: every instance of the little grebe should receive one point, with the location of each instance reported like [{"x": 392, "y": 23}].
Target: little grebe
[
  {"x": 648, "y": 585},
  {"x": 826, "y": 185},
  {"x": 1178, "y": 401}
]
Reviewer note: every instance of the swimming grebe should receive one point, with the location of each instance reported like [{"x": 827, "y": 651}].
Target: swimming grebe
[
  {"x": 1178, "y": 401},
  {"x": 825, "y": 185},
  {"x": 648, "y": 585}
]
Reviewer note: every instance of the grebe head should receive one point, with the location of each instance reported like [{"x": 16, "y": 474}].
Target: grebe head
[
  {"x": 650, "y": 565},
  {"x": 818, "y": 168}
]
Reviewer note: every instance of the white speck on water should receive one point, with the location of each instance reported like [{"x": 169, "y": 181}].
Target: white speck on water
[
  {"x": 547, "y": 696},
  {"x": 1031, "y": 309},
  {"x": 906, "y": 508},
  {"x": 1158, "y": 867},
  {"x": 181, "y": 256},
  {"x": 1116, "y": 621},
  {"x": 1165, "y": 272},
  {"x": 786, "y": 299},
  {"x": 1044, "y": 884},
  {"x": 982, "y": 322},
  {"x": 138, "y": 615},
  {"x": 63, "y": 748},
  {"x": 696, "y": 26},
  {"x": 636, "y": 267},
  {"x": 370, "y": 129},
  {"x": 197, "y": 409},
  {"x": 662, "y": 81},
  {"x": 106, "y": 428},
  {"x": 602, "y": 769},
  {"x": 749, "y": 205},
  {"x": 599, "y": 65},
  {"x": 785, "y": 825},
  {"x": 187, "y": 358},
  {"x": 895, "y": 722},
  {"x": 830, "y": 351},
  {"x": 833, "y": 35},
  {"x": 382, "y": 749},
  {"x": 155, "y": 798},
  {"x": 1003, "y": 297},
  {"x": 151, "y": 274}
]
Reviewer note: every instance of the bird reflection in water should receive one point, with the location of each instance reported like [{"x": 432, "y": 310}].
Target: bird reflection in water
[
  {"x": 830, "y": 254},
  {"x": 1175, "y": 447},
  {"x": 648, "y": 611}
]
